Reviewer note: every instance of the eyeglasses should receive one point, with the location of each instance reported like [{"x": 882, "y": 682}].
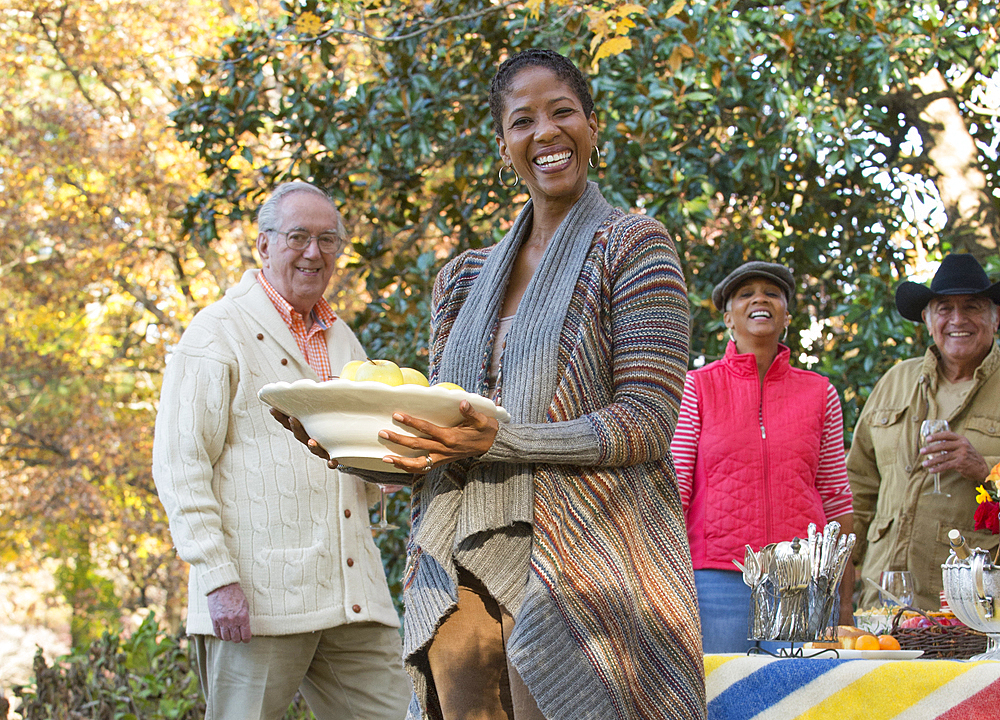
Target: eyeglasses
[{"x": 300, "y": 240}]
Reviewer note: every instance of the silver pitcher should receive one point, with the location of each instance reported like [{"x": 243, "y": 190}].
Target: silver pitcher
[{"x": 972, "y": 589}]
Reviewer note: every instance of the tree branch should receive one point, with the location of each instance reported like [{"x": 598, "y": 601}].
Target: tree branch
[
  {"x": 53, "y": 41},
  {"x": 414, "y": 33}
]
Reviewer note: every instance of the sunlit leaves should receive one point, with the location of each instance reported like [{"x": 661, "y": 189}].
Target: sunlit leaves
[
  {"x": 750, "y": 130},
  {"x": 308, "y": 24},
  {"x": 93, "y": 285},
  {"x": 610, "y": 28}
]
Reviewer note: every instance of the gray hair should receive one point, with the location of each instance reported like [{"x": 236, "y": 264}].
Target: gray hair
[{"x": 269, "y": 212}]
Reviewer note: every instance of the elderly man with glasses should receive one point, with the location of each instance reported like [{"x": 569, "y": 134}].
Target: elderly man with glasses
[{"x": 287, "y": 591}]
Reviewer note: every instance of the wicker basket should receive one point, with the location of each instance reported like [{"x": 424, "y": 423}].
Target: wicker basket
[{"x": 957, "y": 642}]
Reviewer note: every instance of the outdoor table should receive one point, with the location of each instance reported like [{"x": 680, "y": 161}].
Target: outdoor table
[{"x": 740, "y": 687}]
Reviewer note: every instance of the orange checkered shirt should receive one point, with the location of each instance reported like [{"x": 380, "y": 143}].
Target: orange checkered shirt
[{"x": 312, "y": 342}]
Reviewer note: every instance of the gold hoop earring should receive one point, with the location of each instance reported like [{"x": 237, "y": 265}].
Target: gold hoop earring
[
  {"x": 517, "y": 178},
  {"x": 590, "y": 160}
]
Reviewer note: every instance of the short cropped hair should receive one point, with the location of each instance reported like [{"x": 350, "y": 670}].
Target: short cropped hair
[{"x": 563, "y": 68}]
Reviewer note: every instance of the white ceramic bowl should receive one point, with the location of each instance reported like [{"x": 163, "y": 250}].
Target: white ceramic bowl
[{"x": 345, "y": 416}]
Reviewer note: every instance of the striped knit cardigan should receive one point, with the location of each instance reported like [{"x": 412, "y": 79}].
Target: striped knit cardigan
[{"x": 606, "y": 622}]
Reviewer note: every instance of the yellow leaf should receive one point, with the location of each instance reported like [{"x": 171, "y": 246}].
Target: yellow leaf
[
  {"x": 630, "y": 9},
  {"x": 614, "y": 46},
  {"x": 674, "y": 9},
  {"x": 308, "y": 24},
  {"x": 534, "y": 8},
  {"x": 675, "y": 60},
  {"x": 686, "y": 51},
  {"x": 716, "y": 77},
  {"x": 787, "y": 39},
  {"x": 599, "y": 22}
]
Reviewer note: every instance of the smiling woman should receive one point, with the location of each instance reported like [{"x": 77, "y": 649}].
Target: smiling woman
[
  {"x": 547, "y": 137},
  {"x": 758, "y": 450},
  {"x": 519, "y": 590},
  {"x": 548, "y": 574}
]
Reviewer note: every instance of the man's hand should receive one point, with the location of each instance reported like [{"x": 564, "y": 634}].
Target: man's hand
[
  {"x": 951, "y": 451},
  {"x": 230, "y": 613},
  {"x": 295, "y": 427}
]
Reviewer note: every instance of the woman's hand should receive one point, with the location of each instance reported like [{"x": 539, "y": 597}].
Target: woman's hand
[
  {"x": 470, "y": 438},
  {"x": 295, "y": 427}
]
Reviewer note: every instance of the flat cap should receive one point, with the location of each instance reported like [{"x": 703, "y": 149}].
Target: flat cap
[{"x": 778, "y": 274}]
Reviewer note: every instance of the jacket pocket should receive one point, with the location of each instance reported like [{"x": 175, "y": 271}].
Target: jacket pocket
[
  {"x": 988, "y": 431},
  {"x": 878, "y": 529},
  {"x": 983, "y": 433},
  {"x": 887, "y": 428}
]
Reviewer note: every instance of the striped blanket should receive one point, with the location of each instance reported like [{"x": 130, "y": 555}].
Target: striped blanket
[{"x": 740, "y": 687}]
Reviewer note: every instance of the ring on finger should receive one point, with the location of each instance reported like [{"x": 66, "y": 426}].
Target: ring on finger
[{"x": 428, "y": 463}]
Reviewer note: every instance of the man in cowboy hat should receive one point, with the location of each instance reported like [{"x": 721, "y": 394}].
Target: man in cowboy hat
[{"x": 899, "y": 526}]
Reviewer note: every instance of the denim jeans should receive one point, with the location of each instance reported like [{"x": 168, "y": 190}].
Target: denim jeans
[{"x": 724, "y": 604}]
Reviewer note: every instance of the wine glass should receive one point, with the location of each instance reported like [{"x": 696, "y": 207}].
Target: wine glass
[
  {"x": 900, "y": 584},
  {"x": 929, "y": 427},
  {"x": 382, "y": 524}
]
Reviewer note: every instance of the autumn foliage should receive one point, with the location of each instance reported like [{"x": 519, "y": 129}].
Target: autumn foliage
[{"x": 140, "y": 137}]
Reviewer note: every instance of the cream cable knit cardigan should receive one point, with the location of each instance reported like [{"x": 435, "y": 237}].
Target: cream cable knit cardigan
[{"x": 246, "y": 501}]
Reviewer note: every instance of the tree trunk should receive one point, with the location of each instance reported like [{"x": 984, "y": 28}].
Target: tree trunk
[{"x": 973, "y": 219}]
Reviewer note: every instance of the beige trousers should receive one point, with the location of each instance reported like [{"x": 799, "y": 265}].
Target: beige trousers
[
  {"x": 351, "y": 672},
  {"x": 468, "y": 660}
]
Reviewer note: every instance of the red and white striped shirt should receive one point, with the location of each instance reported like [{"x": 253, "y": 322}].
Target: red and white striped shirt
[{"x": 311, "y": 342}]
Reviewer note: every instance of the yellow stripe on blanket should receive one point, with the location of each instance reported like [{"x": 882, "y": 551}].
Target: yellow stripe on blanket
[
  {"x": 878, "y": 689},
  {"x": 714, "y": 662}
]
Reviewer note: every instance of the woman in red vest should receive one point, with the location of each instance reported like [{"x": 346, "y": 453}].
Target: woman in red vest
[{"x": 759, "y": 451}]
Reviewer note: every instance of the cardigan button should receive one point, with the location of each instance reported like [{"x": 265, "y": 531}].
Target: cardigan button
[
  {"x": 909, "y": 468},
  {"x": 885, "y": 421},
  {"x": 350, "y": 562},
  {"x": 260, "y": 336},
  {"x": 284, "y": 361},
  {"x": 347, "y": 513},
  {"x": 356, "y": 608}
]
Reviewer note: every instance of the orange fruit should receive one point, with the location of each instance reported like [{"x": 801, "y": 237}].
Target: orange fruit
[
  {"x": 867, "y": 642},
  {"x": 888, "y": 642}
]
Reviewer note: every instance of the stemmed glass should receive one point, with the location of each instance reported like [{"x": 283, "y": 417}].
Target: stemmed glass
[
  {"x": 900, "y": 584},
  {"x": 927, "y": 428},
  {"x": 382, "y": 524}
]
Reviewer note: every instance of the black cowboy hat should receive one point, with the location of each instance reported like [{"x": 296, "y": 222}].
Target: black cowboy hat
[{"x": 959, "y": 274}]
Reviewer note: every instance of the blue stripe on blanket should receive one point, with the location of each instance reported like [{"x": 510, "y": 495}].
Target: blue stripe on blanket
[{"x": 766, "y": 687}]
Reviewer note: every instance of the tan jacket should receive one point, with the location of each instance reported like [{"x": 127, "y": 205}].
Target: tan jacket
[{"x": 898, "y": 527}]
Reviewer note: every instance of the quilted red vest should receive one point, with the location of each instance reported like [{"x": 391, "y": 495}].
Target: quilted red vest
[{"x": 758, "y": 453}]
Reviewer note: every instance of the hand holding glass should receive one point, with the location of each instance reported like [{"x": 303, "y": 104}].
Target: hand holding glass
[{"x": 927, "y": 428}]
